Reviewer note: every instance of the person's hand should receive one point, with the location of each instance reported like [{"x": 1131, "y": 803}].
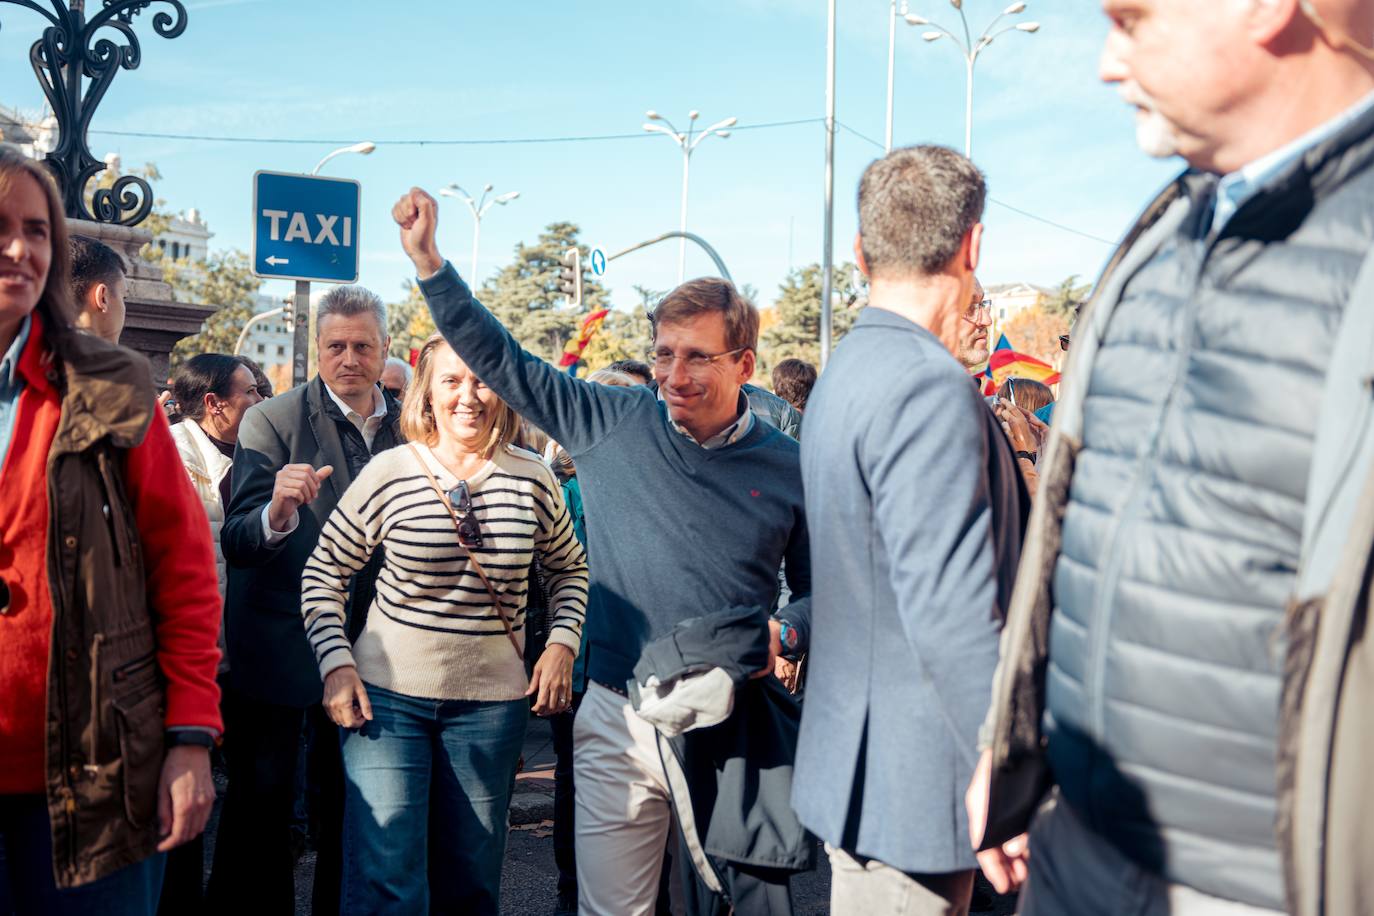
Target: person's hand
[
  {"x": 552, "y": 680},
  {"x": 1005, "y": 866},
  {"x": 1014, "y": 424},
  {"x": 185, "y": 795},
  {"x": 774, "y": 649},
  {"x": 1038, "y": 428},
  {"x": 417, "y": 213},
  {"x": 297, "y": 485},
  {"x": 786, "y": 671},
  {"x": 345, "y": 698}
]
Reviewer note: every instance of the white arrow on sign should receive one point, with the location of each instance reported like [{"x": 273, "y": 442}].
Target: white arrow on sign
[{"x": 274, "y": 260}]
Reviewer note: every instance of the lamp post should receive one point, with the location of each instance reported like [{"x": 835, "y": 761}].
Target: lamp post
[
  {"x": 75, "y": 62},
  {"x": 479, "y": 209},
  {"x": 688, "y": 141},
  {"x": 893, "y": 13},
  {"x": 362, "y": 149},
  {"x": 971, "y": 49},
  {"x": 259, "y": 317}
]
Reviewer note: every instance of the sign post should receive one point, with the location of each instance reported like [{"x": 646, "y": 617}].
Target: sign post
[{"x": 305, "y": 228}]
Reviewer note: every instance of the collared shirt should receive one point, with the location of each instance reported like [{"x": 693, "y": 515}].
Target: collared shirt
[
  {"x": 368, "y": 426},
  {"x": 727, "y": 436},
  {"x": 1237, "y": 187},
  {"x": 12, "y": 385}
]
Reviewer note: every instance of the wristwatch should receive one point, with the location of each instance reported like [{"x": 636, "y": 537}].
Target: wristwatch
[
  {"x": 788, "y": 637},
  {"x": 190, "y": 737}
]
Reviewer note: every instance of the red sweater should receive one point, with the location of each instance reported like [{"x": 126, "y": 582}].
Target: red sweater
[{"x": 183, "y": 591}]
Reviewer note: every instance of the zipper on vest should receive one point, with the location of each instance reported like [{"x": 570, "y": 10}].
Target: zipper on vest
[
  {"x": 61, "y": 607},
  {"x": 1104, "y": 605},
  {"x": 92, "y": 751}
]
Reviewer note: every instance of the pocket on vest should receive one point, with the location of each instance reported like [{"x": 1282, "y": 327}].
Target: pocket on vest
[{"x": 138, "y": 720}]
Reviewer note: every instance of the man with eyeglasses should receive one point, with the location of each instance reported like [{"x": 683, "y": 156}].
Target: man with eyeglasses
[
  {"x": 692, "y": 506},
  {"x": 909, "y": 472}
]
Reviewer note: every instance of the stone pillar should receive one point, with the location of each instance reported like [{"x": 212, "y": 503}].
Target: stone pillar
[{"x": 153, "y": 322}]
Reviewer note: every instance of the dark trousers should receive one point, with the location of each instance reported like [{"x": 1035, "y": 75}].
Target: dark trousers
[
  {"x": 564, "y": 855},
  {"x": 27, "y": 887},
  {"x": 253, "y": 872}
]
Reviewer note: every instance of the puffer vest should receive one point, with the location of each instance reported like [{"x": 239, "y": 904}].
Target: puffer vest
[{"x": 1182, "y": 532}]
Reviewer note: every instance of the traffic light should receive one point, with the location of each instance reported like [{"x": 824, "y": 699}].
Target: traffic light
[{"x": 570, "y": 277}]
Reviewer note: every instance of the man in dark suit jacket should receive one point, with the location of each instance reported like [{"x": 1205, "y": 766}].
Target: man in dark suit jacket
[
  {"x": 916, "y": 509},
  {"x": 296, "y": 455}
]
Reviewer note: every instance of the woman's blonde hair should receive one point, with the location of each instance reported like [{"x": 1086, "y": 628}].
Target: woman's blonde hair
[
  {"x": 417, "y": 412},
  {"x": 56, "y": 303}
]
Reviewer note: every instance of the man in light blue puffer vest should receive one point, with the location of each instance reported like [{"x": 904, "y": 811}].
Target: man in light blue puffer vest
[{"x": 1204, "y": 427}]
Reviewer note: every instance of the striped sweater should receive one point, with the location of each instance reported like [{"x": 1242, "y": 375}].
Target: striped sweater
[{"x": 431, "y": 630}]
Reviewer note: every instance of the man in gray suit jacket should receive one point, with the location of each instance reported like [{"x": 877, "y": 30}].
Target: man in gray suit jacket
[
  {"x": 916, "y": 509},
  {"x": 296, "y": 455}
]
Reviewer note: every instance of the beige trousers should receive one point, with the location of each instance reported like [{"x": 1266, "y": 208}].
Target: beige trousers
[
  {"x": 865, "y": 887},
  {"x": 623, "y": 809}
]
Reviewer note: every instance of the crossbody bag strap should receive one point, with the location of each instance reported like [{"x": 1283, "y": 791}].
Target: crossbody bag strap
[{"x": 476, "y": 566}]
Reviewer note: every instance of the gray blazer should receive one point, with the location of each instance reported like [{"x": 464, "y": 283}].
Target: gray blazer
[
  {"x": 916, "y": 509},
  {"x": 269, "y": 656}
]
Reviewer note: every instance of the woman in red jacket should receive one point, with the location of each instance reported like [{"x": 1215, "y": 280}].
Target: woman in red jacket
[{"x": 109, "y": 607}]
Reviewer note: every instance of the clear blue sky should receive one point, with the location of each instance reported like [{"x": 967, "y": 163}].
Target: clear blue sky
[{"x": 1052, "y": 140}]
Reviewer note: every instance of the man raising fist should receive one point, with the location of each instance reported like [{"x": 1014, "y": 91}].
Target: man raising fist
[{"x": 296, "y": 455}]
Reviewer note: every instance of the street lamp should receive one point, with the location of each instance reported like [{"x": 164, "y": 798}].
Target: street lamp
[
  {"x": 363, "y": 149},
  {"x": 688, "y": 141},
  {"x": 971, "y": 49},
  {"x": 479, "y": 209},
  {"x": 892, "y": 15}
]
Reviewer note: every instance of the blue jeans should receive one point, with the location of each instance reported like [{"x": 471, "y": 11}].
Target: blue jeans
[
  {"x": 428, "y": 787},
  {"x": 26, "y": 879}
]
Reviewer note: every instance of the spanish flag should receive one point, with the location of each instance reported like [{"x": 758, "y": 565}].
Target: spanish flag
[
  {"x": 590, "y": 325},
  {"x": 1006, "y": 363}
]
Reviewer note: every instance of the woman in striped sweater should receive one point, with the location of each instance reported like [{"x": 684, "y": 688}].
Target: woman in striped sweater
[{"x": 432, "y": 694}]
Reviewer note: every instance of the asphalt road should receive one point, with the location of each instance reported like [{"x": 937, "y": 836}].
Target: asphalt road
[{"x": 529, "y": 878}]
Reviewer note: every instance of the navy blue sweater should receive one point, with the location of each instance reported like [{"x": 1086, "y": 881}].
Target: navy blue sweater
[{"x": 676, "y": 530}]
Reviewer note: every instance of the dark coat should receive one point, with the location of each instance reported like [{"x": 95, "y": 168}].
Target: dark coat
[
  {"x": 737, "y": 821},
  {"x": 269, "y": 656}
]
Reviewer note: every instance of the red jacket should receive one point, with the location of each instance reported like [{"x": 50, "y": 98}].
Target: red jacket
[{"x": 179, "y": 567}]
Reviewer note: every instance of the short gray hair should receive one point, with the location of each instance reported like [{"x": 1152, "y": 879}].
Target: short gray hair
[
  {"x": 348, "y": 301},
  {"x": 916, "y": 204},
  {"x": 402, "y": 365}
]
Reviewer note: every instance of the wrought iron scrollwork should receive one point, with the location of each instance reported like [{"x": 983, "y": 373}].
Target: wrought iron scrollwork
[{"x": 72, "y": 49}]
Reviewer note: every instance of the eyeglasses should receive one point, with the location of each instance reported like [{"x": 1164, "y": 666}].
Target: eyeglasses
[
  {"x": 985, "y": 306},
  {"x": 1063, "y": 341},
  {"x": 469, "y": 532},
  {"x": 696, "y": 362}
]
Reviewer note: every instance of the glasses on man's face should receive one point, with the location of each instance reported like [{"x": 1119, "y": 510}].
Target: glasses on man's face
[
  {"x": 662, "y": 359},
  {"x": 980, "y": 308},
  {"x": 469, "y": 532}
]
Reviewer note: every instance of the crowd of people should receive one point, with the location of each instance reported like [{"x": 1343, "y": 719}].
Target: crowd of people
[{"x": 1116, "y": 662}]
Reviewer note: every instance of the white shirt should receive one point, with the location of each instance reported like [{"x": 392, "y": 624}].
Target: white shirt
[{"x": 368, "y": 426}]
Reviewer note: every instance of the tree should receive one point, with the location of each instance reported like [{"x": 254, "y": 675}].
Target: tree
[
  {"x": 408, "y": 322},
  {"x": 225, "y": 280},
  {"x": 1067, "y": 298},
  {"x": 1035, "y": 331},
  {"x": 795, "y": 330},
  {"x": 524, "y": 295}
]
